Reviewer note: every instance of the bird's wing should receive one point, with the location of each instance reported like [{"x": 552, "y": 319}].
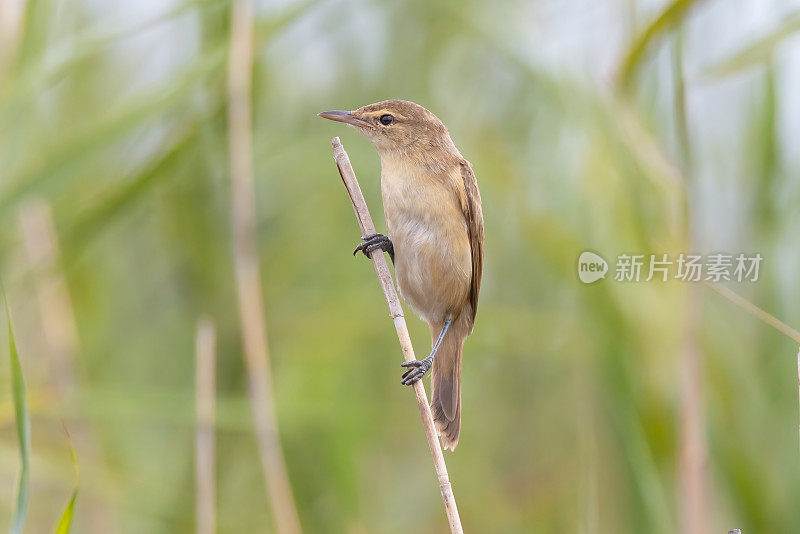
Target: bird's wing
[{"x": 473, "y": 215}]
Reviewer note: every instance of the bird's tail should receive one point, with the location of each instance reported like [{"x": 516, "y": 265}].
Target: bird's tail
[{"x": 446, "y": 386}]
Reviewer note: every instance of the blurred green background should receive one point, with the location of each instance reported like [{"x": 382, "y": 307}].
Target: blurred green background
[{"x": 615, "y": 126}]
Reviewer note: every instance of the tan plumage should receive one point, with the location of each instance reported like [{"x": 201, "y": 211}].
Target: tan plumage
[{"x": 433, "y": 212}]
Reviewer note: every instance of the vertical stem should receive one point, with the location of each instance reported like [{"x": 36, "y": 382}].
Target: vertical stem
[
  {"x": 248, "y": 281},
  {"x": 11, "y": 21},
  {"x": 693, "y": 479},
  {"x": 693, "y": 456},
  {"x": 205, "y": 392},
  {"x": 587, "y": 450},
  {"x": 55, "y": 306},
  {"x": 60, "y": 331},
  {"x": 396, "y": 312}
]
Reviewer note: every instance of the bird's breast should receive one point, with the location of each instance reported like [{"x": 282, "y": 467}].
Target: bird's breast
[{"x": 432, "y": 253}]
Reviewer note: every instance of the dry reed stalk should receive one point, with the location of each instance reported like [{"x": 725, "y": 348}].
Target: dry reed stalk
[
  {"x": 12, "y": 13},
  {"x": 248, "y": 281},
  {"x": 396, "y": 312},
  {"x": 693, "y": 456},
  {"x": 693, "y": 479},
  {"x": 205, "y": 406},
  {"x": 764, "y": 317},
  {"x": 754, "y": 310},
  {"x": 55, "y": 305},
  {"x": 60, "y": 331}
]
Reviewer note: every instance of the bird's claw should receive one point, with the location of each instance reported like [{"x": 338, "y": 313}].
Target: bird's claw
[
  {"x": 417, "y": 370},
  {"x": 373, "y": 242}
]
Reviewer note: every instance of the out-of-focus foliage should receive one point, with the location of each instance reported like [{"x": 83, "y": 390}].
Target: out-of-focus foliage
[
  {"x": 23, "y": 429},
  {"x": 64, "y": 525},
  {"x": 114, "y": 114}
]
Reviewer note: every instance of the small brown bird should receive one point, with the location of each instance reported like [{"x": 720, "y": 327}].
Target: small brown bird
[{"x": 433, "y": 210}]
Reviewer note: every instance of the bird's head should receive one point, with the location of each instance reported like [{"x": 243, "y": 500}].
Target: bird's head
[{"x": 396, "y": 125}]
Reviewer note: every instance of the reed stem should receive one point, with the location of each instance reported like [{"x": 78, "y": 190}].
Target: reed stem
[
  {"x": 246, "y": 264},
  {"x": 396, "y": 312}
]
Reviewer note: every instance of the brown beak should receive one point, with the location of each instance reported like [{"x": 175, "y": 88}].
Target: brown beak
[{"x": 346, "y": 117}]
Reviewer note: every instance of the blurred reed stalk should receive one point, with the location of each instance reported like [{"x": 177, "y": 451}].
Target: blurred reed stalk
[
  {"x": 59, "y": 328},
  {"x": 761, "y": 315},
  {"x": 367, "y": 227},
  {"x": 588, "y": 504},
  {"x": 693, "y": 482},
  {"x": 11, "y": 18},
  {"x": 55, "y": 306},
  {"x": 693, "y": 459},
  {"x": 248, "y": 281},
  {"x": 766, "y": 318},
  {"x": 693, "y": 475},
  {"x": 205, "y": 406}
]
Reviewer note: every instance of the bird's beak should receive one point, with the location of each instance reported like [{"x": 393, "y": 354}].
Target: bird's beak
[{"x": 346, "y": 117}]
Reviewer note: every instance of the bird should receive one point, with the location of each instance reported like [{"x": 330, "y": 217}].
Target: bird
[{"x": 434, "y": 217}]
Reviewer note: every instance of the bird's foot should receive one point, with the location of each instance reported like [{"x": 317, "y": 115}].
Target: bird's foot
[
  {"x": 417, "y": 370},
  {"x": 373, "y": 242}
]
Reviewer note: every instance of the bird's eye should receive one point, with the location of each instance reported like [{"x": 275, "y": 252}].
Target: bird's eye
[{"x": 386, "y": 120}]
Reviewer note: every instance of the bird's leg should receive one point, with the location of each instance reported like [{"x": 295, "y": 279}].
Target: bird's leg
[
  {"x": 418, "y": 368},
  {"x": 374, "y": 242}
]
